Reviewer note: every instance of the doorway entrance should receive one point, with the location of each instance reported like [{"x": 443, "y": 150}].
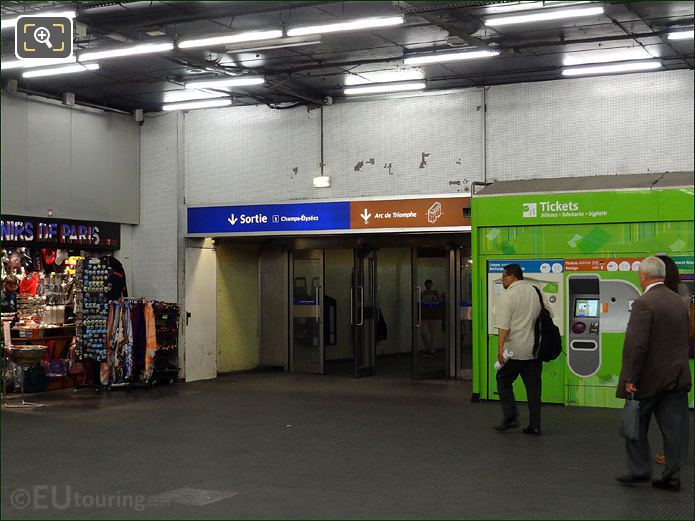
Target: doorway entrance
[
  {"x": 380, "y": 309},
  {"x": 432, "y": 294}
]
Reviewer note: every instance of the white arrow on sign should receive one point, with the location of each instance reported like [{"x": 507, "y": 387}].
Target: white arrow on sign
[
  {"x": 232, "y": 220},
  {"x": 365, "y": 215}
]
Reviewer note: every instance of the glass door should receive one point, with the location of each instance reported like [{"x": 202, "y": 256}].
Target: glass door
[
  {"x": 363, "y": 311},
  {"x": 430, "y": 331},
  {"x": 306, "y": 311}
]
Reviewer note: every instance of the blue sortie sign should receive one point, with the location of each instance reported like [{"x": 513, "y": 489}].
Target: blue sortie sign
[{"x": 269, "y": 218}]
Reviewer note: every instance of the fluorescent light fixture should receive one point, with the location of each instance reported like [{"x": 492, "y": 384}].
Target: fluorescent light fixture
[
  {"x": 645, "y": 65},
  {"x": 177, "y": 96},
  {"x": 321, "y": 181},
  {"x": 606, "y": 55},
  {"x": 364, "y": 78},
  {"x": 361, "y": 23},
  {"x": 198, "y": 104},
  {"x": 681, "y": 35},
  {"x": 55, "y": 71},
  {"x": 540, "y": 16},
  {"x": 448, "y": 57},
  {"x": 35, "y": 62},
  {"x": 279, "y": 43},
  {"x": 230, "y": 38},
  {"x": 385, "y": 87},
  {"x": 225, "y": 82},
  {"x": 12, "y": 22},
  {"x": 145, "y": 48}
]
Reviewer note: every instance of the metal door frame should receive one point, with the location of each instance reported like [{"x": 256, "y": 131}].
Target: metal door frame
[{"x": 362, "y": 256}]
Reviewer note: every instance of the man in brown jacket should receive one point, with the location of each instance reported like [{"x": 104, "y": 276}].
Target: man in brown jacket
[{"x": 655, "y": 368}]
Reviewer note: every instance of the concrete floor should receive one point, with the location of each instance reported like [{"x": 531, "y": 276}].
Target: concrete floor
[{"x": 273, "y": 445}]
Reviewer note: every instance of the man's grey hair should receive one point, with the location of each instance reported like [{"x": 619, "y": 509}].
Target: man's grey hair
[{"x": 653, "y": 267}]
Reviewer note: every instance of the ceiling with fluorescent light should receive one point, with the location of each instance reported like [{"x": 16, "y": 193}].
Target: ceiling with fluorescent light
[{"x": 308, "y": 69}]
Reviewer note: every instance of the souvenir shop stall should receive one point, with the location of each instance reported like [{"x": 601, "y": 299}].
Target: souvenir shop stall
[{"x": 67, "y": 319}]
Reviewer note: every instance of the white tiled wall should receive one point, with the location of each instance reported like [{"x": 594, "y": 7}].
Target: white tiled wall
[
  {"x": 427, "y": 141},
  {"x": 627, "y": 124},
  {"x": 154, "y": 251},
  {"x": 591, "y": 126},
  {"x": 250, "y": 154},
  {"x": 605, "y": 125}
]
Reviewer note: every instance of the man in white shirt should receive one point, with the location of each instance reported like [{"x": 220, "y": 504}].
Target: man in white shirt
[{"x": 515, "y": 319}]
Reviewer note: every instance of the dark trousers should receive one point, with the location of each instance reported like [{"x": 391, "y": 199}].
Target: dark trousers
[
  {"x": 530, "y": 371},
  {"x": 670, "y": 409}
]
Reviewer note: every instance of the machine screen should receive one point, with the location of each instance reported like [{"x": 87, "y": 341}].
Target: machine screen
[{"x": 586, "y": 307}]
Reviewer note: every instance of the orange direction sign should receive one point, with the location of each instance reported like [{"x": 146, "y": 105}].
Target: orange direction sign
[{"x": 410, "y": 213}]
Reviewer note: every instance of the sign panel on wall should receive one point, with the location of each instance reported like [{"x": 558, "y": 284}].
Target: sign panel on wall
[
  {"x": 269, "y": 218},
  {"x": 60, "y": 233},
  {"x": 574, "y": 208},
  {"x": 443, "y": 213},
  {"x": 409, "y": 213},
  {"x": 604, "y": 264},
  {"x": 546, "y": 274}
]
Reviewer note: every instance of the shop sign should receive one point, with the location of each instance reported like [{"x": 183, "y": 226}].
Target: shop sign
[
  {"x": 443, "y": 213},
  {"x": 59, "y": 233}
]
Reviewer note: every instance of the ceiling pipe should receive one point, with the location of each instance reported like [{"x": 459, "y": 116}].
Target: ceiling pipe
[
  {"x": 453, "y": 29},
  {"x": 291, "y": 92}
]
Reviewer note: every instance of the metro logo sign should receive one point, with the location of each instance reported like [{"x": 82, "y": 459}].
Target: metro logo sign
[{"x": 530, "y": 210}]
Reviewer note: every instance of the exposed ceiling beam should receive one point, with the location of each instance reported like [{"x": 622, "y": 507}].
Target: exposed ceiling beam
[
  {"x": 458, "y": 23},
  {"x": 162, "y": 15}
]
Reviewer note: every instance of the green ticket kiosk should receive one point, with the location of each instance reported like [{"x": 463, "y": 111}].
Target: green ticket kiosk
[{"x": 580, "y": 241}]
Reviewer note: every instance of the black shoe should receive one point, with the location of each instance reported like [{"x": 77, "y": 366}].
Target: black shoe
[
  {"x": 630, "y": 479},
  {"x": 531, "y": 431},
  {"x": 506, "y": 425},
  {"x": 672, "y": 484}
]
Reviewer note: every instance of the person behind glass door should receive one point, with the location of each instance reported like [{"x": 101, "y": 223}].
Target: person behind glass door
[{"x": 431, "y": 318}]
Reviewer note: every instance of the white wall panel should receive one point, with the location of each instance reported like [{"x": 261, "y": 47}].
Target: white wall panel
[
  {"x": 84, "y": 164},
  {"x": 87, "y": 174},
  {"x": 14, "y": 153},
  {"x": 249, "y": 154},
  {"x": 625, "y": 124},
  {"x": 448, "y": 128},
  {"x": 49, "y": 160},
  {"x": 154, "y": 250}
]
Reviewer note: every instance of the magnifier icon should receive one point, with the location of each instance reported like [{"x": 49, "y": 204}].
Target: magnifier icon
[{"x": 43, "y": 35}]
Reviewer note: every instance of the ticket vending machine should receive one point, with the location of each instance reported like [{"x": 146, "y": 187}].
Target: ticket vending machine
[
  {"x": 585, "y": 249},
  {"x": 595, "y": 307},
  {"x": 597, "y": 312},
  {"x": 584, "y": 339}
]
